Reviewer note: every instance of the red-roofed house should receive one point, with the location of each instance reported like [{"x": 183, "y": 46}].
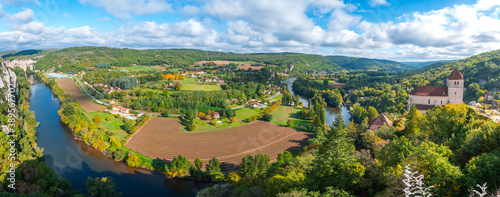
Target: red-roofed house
[
  {"x": 379, "y": 121},
  {"x": 427, "y": 97}
]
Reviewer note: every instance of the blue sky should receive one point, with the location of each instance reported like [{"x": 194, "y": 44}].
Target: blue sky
[{"x": 401, "y": 30}]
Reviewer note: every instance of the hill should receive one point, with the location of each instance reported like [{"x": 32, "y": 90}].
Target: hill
[
  {"x": 422, "y": 69},
  {"x": 483, "y": 69},
  {"x": 78, "y": 58},
  {"x": 427, "y": 63},
  {"x": 354, "y": 63}
]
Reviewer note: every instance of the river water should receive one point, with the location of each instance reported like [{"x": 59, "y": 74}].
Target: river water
[
  {"x": 330, "y": 112},
  {"x": 75, "y": 161}
]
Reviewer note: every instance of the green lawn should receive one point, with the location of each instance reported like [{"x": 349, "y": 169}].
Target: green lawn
[
  {"x": 278, "y": 97},
  {"x": 193, "y": 87},
  {"x": 246, "y": 112},
  {"x": 285, "y": 113},
  {"x": 205, "y": 126},
  {"x": 321, "y": 81},
  {"x": 114, "y": 125}
]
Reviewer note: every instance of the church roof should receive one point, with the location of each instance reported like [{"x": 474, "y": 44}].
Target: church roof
[
  {"x": 430, "y": 91},
  {"x": 456, "y": 75},
  {"x": 424, "y": 107},
  {"x": 379, "y": 121}
]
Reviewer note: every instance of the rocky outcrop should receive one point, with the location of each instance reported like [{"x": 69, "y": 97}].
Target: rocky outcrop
[{"x": 7, "y": 76}]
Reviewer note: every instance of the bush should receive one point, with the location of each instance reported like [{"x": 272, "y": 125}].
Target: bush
[
  {"x": 267, "y": 117},
  {"x": 289, "y": 123}
]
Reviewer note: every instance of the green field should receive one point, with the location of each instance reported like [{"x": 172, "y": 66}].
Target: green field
[
  {"x": 285, "y": 113},
  {"x": 246, "y": 112},
  {"x": 194, "y": 87},
  {"x": 139, "y": 68},
  {"x": 321, "y": 81},
  {"x": 205, "y": 126},
  {"x": 114, "y": 125}
]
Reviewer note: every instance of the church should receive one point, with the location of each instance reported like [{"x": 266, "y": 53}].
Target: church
[{"x": 427, "y": 97}]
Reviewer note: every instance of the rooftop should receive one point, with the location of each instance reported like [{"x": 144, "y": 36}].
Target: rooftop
[
  {"x": 456, "y": 75},
  {"x": 430, "y": 91}
]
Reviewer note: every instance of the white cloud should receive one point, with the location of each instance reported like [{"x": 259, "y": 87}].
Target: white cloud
[
  {"x": 190, "y": 10},
  {"x": 375, "y": 3},
  {"x": 105, "y": 19},
  {"x": 127, "y": 8},
  {"x": 20, "y": 17}
]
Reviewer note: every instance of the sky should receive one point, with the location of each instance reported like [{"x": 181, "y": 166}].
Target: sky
[{"x": 400, "y": 30}]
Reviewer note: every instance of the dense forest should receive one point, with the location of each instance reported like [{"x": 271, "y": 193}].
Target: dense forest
[
  {"x": 353, "y": 63},
  {"x": 78, "y": 58}
]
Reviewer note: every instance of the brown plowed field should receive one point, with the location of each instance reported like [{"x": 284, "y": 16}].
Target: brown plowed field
[
  {"x": 72, "y": 90},
  {"x": 161, "y": 138}
]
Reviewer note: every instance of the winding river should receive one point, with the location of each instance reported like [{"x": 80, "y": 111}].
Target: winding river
[
  {"x": 330, "y": 112},
  {"x": 75, "y": 161}
]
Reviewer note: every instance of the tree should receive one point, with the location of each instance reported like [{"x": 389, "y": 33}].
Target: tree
[
  {"x": 102, "y": 187},
  {"x": 129, "y": 126},
  {"x": 97, "y": 119},
  {"x": 133, "y": 160},
  {"x": 108, "y": 118},
  {"x": 336, "y": 163},
  {"x": 289, "y": 123},
  {"x": 213, "y": 166},
  {"x": 267, "y": 117},
  {"x": 198, "y": 163},
  {"x": 68, "y": 110},
  {"x": 484, "y": 169},
  {"x": 372, "y": 113},
  {"x": 177, "y": 86},
  {"x": 253, "y": 166},
  {"x": 358, "y": 114},
  {"x": 303, "y": 113}
]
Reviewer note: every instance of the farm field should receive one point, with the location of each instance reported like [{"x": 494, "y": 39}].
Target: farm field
[
  {"x": 194, "y": 87},
  {"x": 248, "y": 66},
  {"x": 285, "y": 113},
  {"x": 246, "y": 112},
  {"x": 161, "y": 138},
  {"x": 72, "y": 90}
]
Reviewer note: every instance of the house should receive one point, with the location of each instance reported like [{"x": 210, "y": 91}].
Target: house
[
  {"x": 379, "y": 121},
  {"x": 427, "y": 97},
  {"x": 488, "y": 96},
  {"x": 215, "y": 115},
  {"x": 120, "y": 109}
]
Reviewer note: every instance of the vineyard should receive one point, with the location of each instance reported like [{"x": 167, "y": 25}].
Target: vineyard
[
  {"x": 72, "y": 90},
  {"x": 161, "y": 138}
]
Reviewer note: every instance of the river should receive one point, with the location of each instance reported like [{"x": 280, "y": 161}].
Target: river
[
  {"x": 330, "y": 112},
  {"x": 75, "y": 161}
]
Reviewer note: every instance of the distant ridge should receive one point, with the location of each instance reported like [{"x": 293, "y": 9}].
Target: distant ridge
[{"x": 355, "y": 63}]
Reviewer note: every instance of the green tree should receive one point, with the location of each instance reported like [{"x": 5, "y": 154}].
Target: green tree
[
  {"x": 102, "y": 187},
  {"x": 303, "y": 113},
  {"x": 372, "y": 113},
  {"x": 129, "y": 126},
  {"x": 198, "y": 163},
  {"x": 289, "y": 123},
  {"x": 267, "y": 117},
  {"x": 412, "y": 121},
  {"x": 336, "y": 163},
  {"x": 484, "y": 169}
]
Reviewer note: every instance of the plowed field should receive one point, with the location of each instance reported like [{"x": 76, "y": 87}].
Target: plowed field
[
  {"x": 161, "y": 138},
  {"x": 71, "y": 89}
]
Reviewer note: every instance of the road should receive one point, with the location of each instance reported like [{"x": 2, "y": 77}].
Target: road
[{"x": 86, "y": 92}]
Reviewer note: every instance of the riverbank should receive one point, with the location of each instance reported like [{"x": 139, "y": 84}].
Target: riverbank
[{"x": 74, "y": 160}]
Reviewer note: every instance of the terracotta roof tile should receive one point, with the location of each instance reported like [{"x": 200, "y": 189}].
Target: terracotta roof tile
[
  {"x": 379, "y": 121},
  {"x": 430, "y": 91},
  {"x": 424, "y": 107},
  {"x": 456, "y": 75}
]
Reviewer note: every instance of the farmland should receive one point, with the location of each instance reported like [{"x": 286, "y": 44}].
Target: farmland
[
  {"x": 194, "y": 87},
  {"x": 161, "y": 138},
  {"x": 72, "y": 90}
]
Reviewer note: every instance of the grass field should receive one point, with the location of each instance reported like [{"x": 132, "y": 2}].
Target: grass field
[
  {"x": 139, "y": 68},
  {"x": 194, "y": 87},
  {"x": 285, "y": 113},
  {"x": 246, "y": 112},
  {"x": 204, "y": 126},
  {"x": 114, "y": 125},
  {"x": 244, "y": 62}
]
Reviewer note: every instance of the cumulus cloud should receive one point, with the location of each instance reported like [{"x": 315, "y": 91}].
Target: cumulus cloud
[
  {"x": 20, "y": 17},
  {"x": 127, "y": 8}
]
